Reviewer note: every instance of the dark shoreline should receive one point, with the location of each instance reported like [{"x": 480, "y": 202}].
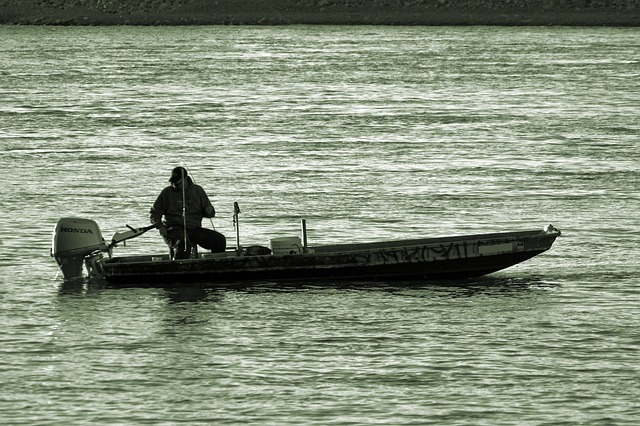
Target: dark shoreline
[{"x": 322, "y": 12}]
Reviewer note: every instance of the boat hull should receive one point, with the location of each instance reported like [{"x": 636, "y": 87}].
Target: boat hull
[{"x": 423, "y": 259}]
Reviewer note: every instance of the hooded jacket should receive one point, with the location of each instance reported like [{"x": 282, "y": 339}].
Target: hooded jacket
[{"x": 169, "y": 205}]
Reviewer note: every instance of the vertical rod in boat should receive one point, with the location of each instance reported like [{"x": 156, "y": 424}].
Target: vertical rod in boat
[
  {"x": 303, "y": 225},
  {"x": 236, "y": 211},
  {"x": 184, "y": 211}
]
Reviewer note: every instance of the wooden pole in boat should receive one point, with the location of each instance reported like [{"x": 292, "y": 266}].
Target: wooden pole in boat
[
  {"x": 236, "y": 224},
  {"x": 303, "y": 225}
]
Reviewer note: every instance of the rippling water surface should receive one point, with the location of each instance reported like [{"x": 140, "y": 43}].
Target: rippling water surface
[{"x": 368, "y": 133}]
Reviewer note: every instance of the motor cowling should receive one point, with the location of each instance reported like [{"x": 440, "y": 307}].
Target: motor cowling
[{"x": 73, "y": 240}]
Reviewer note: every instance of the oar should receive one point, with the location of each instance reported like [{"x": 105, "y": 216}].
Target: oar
[{"x": 127, "y": 235}]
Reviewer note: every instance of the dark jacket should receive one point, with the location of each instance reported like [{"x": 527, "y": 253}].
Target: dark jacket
[{"x": 169, "y": 205}]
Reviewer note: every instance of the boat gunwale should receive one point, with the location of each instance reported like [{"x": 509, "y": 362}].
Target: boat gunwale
[{"x": 401, "y": 244}]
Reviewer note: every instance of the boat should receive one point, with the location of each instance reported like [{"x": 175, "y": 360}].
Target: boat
[{"x": 80, "y": 252}]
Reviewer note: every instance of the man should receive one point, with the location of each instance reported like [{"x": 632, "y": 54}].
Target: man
[{"x": 197, "y": 205}]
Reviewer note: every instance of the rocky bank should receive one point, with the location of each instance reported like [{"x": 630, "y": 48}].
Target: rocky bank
[{"x": 333, "y": 12}]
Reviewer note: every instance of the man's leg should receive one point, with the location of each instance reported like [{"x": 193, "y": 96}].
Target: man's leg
[
  {"x": 209, "y": 239},
  {"x": 175, "y": 241}
]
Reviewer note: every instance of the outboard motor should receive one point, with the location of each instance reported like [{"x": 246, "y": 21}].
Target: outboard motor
[{"x": 73, "y": 239}]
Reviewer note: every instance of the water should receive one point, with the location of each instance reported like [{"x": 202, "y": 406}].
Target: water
[{"x": 369, "y": 133}]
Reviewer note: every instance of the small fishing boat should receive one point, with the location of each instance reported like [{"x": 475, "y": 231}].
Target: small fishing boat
[{"x": 80, "y": 251}]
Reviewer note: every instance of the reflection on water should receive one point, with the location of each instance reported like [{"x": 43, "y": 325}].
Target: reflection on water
[
  {"x": 214, "y": 292},
  {"x": 192, "y": 294}
]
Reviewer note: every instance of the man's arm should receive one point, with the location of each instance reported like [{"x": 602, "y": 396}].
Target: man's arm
[
  {"x": 155, "y": 215},
  {"x": 207, "y": 207}
]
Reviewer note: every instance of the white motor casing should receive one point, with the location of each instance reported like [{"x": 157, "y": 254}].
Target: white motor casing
[{"x": 73, "y": 239}]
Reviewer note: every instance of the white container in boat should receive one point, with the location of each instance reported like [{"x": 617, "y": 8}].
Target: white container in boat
[{"x": 285, "y": 245}]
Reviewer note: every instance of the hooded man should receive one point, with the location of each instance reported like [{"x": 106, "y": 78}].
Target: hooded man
[{"x": 181, "y": 204}]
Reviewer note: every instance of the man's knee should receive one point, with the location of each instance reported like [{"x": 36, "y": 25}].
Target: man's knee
[
  {"x": 211, "y": 240},
  {"x": 219, "y": 242}
]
